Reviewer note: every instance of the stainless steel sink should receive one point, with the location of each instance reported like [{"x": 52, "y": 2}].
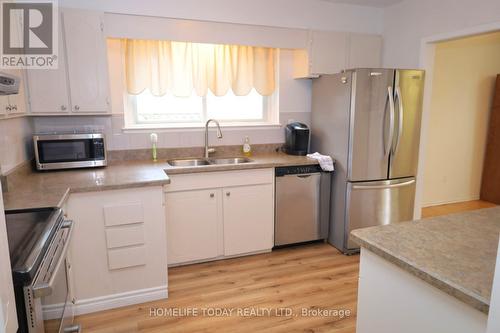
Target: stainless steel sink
[
  {"x": 230, "y": 160},
  {"x": 188, "y": 162},
  {"x": 194, "y": 162}
]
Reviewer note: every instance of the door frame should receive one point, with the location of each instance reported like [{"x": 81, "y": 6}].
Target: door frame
[{"x": 426, "y": 62}]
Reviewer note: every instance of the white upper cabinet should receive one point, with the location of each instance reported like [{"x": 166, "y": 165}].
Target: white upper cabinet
[
  {"x": 365, "y": 51},
  {"x": 80, "y": 83},
  {"x": 48, "y": 88},
  {"x": 86, "y": 61},
  {"x": 14, "y": 104},
  {"x": 330, "y": 52},
  {"x": 17, "y": 102}
]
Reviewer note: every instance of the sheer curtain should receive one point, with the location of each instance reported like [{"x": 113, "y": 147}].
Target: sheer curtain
[{"x": 181, "y": 68}]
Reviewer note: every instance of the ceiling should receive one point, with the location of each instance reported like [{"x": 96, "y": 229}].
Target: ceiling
[{"x": 370, "y": 3}]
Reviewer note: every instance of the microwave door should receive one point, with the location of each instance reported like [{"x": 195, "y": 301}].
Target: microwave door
[{"x": 69, "y": 151}]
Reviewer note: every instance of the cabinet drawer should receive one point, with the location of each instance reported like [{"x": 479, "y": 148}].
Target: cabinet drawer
[
  {"x": 204, "y": 180},
  {"x": 126, "y": 257},
  {"x": 125, "y": 236},
  {"x": 121, "y": 214}
]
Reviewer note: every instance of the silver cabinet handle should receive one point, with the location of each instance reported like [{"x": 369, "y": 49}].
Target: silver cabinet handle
[
  {"x": 63, "y": 107},
  {"x": 391, "y": 121},
  {"x": 14, "y": 107},
  {"x": 8, "y": 108},
  {"x": 212, "y": 195},
  {"x": 228, "y": 194},
  {"x": 77, "y": 107}
]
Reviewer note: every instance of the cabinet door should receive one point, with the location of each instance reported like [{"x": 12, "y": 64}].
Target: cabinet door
[
  {"x": 17, "y": 102},
  {"x": 192, "y": 225},
  {"x": 4, "y": 104},
  {"x": 329, "y": 52},
  {"x": 48, "y": 89},
  {"x": 365, "y": 51},
  {"x": 248, "y": 219},
  {"x": 86, "y": 61}
]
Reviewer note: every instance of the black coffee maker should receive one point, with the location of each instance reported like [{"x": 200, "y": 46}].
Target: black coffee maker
[{"x": 297, "y": 139}]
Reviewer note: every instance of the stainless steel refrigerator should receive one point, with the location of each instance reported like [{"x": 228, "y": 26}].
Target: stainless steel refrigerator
[{"x": 369, "y": 121}]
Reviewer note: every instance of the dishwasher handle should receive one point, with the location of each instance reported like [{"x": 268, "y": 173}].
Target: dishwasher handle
[{"x": 301, "y": 175}]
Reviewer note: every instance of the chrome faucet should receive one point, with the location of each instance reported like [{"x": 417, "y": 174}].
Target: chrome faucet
[{"x": 219, "y": 135}]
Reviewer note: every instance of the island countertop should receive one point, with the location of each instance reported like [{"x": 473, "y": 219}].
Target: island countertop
[{"x": 455, "y": 253}]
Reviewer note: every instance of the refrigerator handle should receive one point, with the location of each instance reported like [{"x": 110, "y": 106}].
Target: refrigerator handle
[
  {"x": 376, "y": 187},
  {"x": 400, "y": 120},
  {"x": 388, "y": 145}
]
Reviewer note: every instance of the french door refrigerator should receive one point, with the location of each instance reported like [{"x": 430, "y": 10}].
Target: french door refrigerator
[{"x": 369, "y": 121}]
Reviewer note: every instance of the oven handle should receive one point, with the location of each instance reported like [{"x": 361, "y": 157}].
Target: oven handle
[{"x": 45, "y": 288}]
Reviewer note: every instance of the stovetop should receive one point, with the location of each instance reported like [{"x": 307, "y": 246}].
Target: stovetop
[{"x": 29, "y": 233}]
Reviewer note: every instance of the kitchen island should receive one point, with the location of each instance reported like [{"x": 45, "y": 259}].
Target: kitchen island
[{"x": 432, "y": 275}]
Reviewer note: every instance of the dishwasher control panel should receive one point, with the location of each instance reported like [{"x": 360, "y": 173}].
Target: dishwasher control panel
[{"x": 296, "y": 170}]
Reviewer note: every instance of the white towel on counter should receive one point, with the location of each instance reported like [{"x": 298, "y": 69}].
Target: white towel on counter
[{"x": 325, "y": 161}]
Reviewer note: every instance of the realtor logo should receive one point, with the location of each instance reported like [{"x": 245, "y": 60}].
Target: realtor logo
[{"x": 29, "y": 34}]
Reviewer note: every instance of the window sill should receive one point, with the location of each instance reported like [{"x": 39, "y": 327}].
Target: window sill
[{"x": 141, "y": 128}]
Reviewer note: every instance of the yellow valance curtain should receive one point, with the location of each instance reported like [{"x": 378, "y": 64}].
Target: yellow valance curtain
[{"x": 180, "y": 67}]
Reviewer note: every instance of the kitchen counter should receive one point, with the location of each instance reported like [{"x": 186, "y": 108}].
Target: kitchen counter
[
  {"x": 30, "y": 189},
  {"x": 455, "y": 253}
]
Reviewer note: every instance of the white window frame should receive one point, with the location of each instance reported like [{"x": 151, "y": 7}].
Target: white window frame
[{"x": 270, "y": 113}]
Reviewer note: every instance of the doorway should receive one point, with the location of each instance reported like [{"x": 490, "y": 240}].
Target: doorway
[{"x": 459, "y": 102}]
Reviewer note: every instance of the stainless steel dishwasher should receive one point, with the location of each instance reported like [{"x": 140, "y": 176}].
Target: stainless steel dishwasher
[{"x": 302, "y": 204}]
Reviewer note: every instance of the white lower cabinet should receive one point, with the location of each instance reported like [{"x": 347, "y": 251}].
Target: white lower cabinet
[
  {"x": 219, "y": 214},
  {"x": 118, "y": 248},
  {"x": 248, "y": 219},
  {"x": 193, "y": 225}
]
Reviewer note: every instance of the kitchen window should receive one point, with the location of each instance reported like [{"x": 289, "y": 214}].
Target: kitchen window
[
  {"x": 191, "y": 110},
  {"x": 174, "y": 84}
]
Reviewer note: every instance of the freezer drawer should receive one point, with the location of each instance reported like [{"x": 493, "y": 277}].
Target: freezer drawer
[
  {"x": 378, "y": 203},
  {"x": 300, "y": 207}
]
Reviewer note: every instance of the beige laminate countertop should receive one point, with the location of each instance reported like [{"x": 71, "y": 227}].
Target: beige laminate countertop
[
  {"x": 30, "y": 189},
  {"x": 455, "y": 253}
]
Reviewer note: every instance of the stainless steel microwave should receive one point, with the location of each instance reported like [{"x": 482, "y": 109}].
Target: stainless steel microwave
[{"x": 68, "y": 151}]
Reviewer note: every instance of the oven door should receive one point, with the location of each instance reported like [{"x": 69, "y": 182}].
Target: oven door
[
  {"x": 69, "y": 151},
  {"x": 48, "y": 298}
]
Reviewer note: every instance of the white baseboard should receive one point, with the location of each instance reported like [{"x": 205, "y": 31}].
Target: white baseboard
[
  {"x": 118, "y": 300},
  {"x": 452, "y": 201}
]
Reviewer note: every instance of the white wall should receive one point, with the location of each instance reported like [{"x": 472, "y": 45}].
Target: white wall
[
  {"x": 406, "y": 23},
  {"x": 309, "y": 14},
  {"x": 15, "y": 142},
  {"x": 463, "y": 84}
]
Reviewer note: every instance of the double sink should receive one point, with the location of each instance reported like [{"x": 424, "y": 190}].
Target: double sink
[{"x": 194, "y": 162}]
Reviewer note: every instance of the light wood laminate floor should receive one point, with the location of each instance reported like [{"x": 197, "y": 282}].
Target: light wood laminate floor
[
  {"x": 455, "y": 208},
  {"x": 314, "y": 276}
]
